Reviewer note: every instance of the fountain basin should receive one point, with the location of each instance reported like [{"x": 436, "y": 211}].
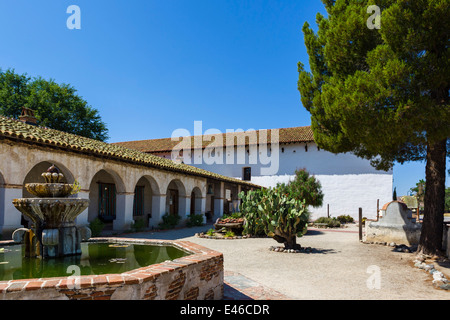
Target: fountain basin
[
  {"x": 197, "y": 275},
  {"x": 49, "y": 190},
  {"x": 51, "y": 212}
]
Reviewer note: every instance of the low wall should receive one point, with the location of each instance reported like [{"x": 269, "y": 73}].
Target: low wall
[
  {"x": 395, "y": 233},
  {"x": 194, "y": 277}
]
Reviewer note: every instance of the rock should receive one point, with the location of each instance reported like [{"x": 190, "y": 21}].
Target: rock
[
  {"x": 445, "y": 286},
  {"x": 428, "y": 267},
  {"x": 439, "y": 276}
]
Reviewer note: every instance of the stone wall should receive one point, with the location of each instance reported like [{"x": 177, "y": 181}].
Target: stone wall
[{"x": 194, "y": 277}]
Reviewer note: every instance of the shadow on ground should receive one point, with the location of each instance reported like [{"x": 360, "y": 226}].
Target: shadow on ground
[{"x": 313, "y": 232}]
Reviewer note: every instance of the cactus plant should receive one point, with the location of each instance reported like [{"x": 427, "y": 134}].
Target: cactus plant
[{"x": 280, "y": 216}]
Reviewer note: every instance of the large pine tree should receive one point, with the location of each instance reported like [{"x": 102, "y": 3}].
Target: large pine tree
[{"x": 384, "y": 93}]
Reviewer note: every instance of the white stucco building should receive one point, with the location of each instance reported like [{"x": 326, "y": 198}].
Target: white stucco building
[{"x": 348, "y": 182}]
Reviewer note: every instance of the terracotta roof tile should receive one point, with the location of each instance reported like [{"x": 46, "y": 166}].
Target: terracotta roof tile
[
  {"x": 286, "y": 135},
  {"x": 16, "y": 130}
]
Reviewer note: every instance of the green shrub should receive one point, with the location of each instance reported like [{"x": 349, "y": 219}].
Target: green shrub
[
  {"x": 234, "y": 215},
  {"x": 195, "y": 220},
  {"x": 345, "y": 219},
  {"x": 304, "y": 187},
  {"x": 138, "y": 225},
  {"x": 170, "y": 221},
  {"x": 96, "y": 227},
  {"x": 331, "y": 222},
  {"x": 211, "y": 232},
  {"x": 229, "y": 234}
]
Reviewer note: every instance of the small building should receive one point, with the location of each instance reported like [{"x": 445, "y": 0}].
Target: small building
[
  {"x": 268, "y": 157},
  {"x": 123, "y": 185}
]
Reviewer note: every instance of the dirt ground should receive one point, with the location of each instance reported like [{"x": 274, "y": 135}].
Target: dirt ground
[{"x": 339, "y": 266}]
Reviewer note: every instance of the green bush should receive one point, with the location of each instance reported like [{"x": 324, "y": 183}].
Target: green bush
[
  {"x": 229, "y": 234},
  {"x": 234, "y": 215},
  {"x": 195, "y": 220},
  {"x": 170, "y": 221},
  {"x": 304, "y": 187},
  {"x": 331, "y": 222},
  {"x": 96, "y": 227},
  {"x": 345, "y": 219},
  {"x": 138, "y": 225}
]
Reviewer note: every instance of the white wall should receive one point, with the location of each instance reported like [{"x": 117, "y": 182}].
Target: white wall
[{"x": 348, "y": 182}]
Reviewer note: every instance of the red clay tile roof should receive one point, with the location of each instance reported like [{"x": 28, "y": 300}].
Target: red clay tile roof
[
  {"x": 15, "y": 130},
  {"x": 286, "y": 135}
]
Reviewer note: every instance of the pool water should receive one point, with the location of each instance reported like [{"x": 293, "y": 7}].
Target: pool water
[{"x": 96, "y": 258}]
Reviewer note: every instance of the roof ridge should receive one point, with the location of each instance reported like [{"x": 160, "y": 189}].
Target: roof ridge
[
  {"x": 17, "y": 130},
  {"x": 213, "y": 134}
]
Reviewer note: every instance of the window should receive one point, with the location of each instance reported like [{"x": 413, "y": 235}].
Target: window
[
  {"x": 138, "y": 204},
  {"x": 247, "y": 173}
]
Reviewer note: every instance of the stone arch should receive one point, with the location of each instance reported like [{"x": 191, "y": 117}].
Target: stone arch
[
  {"x": 33, "y": 175},
  {"x": 104, "y": 188},
  {"x": 176, "y": 198},
  {"x": 146, "y": 200},
  {"x": 196, "y": 201}
]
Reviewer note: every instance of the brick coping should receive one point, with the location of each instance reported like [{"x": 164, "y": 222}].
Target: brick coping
[{"x": 136, "y": 276}]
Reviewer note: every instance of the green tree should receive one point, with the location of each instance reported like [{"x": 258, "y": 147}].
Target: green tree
[
  {"x": 57, "y": 106},
  {"x": 419, "y": 190},
  {"x": 383, "y": 94},
  {"x": 304, "y": 187},
  {"x": 14, "y": 92}
]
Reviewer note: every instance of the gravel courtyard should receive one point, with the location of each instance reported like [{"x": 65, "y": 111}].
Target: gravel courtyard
[{"x": 340, "y": 267}]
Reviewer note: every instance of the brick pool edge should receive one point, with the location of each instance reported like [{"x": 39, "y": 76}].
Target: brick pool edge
[{"x": 198, "y": 276}]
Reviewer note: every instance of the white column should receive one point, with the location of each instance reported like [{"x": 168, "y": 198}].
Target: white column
[
  {"x": 184, "y": 202},
  {"x": 237, "y": 201},
  {"x": 124, "y": 211},
  {"x": 219, "y": 195},
  {"x": 202, "y": 207},
  {"x": 184, "y": 212},
  {"x": 9, "y": 216},
  {"x": 158, "y": 209}
]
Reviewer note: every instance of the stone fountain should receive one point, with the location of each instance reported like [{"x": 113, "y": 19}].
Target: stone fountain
[{"x": 53, "y": 232}]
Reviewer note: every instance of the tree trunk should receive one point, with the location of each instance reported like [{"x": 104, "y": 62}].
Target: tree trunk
[
  {"x": 434, "y": 201},
  {"x": 289, "y": 241}
]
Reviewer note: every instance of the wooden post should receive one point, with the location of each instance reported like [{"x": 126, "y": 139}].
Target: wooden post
[
  {"x": 378, "y": 209},
  {"x": 360, "y": 224},
  {"x": 418, "y": 211}
]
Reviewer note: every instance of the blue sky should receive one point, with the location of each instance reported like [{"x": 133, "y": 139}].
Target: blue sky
[{"x": 154, "y": 66}]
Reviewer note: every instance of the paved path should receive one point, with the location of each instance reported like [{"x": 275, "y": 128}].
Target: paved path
[{"x": 339, "y": 267}]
